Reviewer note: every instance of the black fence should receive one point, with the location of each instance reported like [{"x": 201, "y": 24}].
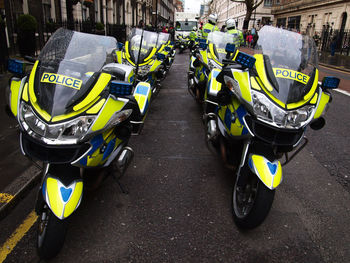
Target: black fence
[
  {"x": 329, "y": 39},
  {"x": 46, "y": 30}
]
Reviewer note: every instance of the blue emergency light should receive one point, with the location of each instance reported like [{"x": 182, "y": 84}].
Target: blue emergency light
[
  {"x": 330, "y": 82},
  {"x": 118, "y": 88},
  {"x": 230, "y": 48},
  {"x": 245, "y": 60},
  {"x": 160, "y": 56},
  {"x": 120, "y": 45},
  {"x": 16, "y": 66}
]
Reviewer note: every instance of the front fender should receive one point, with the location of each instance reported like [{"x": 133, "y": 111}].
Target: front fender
[
  {"x": 270, "y": 173},
  {"x": 62, "y": 198},
  {"x": 14, "y": 91},
  {"x": 155, "y": 65}
]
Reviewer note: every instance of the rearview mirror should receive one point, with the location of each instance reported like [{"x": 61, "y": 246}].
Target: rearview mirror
[
  {"x": 245, "y": 60},
  {"x": 330, "y": 83}
]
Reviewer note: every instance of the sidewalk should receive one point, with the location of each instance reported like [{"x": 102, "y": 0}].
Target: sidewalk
[
  {"x": 17, "y": 175},
  {"x": 341, "y": 62}
]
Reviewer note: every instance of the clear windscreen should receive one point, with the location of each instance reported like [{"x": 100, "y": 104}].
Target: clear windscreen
[
  {"x": 69, "y": 64},
  {"x": 219, "y": 40},
  {"x": 290, "y": 61},
  {"x": 141, "y": 44},
  {"x": 163, "y": 38}
]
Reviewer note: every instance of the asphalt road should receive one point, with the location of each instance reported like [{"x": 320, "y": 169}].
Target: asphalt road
[{"x": 179, "y": 205}]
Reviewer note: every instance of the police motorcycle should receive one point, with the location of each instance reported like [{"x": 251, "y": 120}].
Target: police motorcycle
[
  {"x": 183, "y": 42},
  {"x": 264, "y": 105},
  {"x": 76, "y": 110},
  {"x": 206, "y": 62},
  {"x": 140, "y": 52},
  {"x": 166, "y": 51}
]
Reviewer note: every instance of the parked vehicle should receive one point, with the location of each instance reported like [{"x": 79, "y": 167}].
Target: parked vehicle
[
  {"x": 264, "y": 105},
  {"x": 76, "y": 111},
  {"x": 140, "y": 52},
  {"x": 206, "y": 63}
]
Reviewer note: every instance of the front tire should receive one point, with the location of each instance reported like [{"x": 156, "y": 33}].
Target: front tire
[
  {"x": 251, "y": 200},
  {"x": 51, "y": 234}
]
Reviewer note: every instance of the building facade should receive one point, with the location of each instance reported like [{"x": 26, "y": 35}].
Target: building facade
[
  {"x": 115, "y": 17},
  {"x": 310, "y": 16},
  {"x": 227, "y": 9}
]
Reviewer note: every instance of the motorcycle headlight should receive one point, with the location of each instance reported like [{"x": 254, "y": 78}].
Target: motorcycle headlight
[
  {"x": 69, "y": 132},
  {"x": 268, "y": 112}
]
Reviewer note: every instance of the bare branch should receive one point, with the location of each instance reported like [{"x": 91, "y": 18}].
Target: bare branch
[{"x": 254, "y": 7}]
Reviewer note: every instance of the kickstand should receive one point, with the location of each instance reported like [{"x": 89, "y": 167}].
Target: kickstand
[{"x": 122, "y": 187}]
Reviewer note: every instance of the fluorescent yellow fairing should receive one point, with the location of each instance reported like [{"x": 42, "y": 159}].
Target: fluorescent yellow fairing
[
  {"x": 142, "y": 95},
  {"x": 14, "y": 87},
  {"x": 270, "y": 173},
  {"x": 119, "y": 56},
  {"x": 25, "y": 93},
  {"x": 243, "y": 80},
  {"x": 214, "y": 85},
  {"x": 254, "y": 84},
  {"x": 155, "y": 65},
  {"x": 32, "y": 96},
  {"x": 235, "y": 128},
  {"x": 111, "y": 106},
  {"x": 62, "y": 206},
  {"x": 96, "y": 108},
  {"x": 322, "y": 105},
  {"x": 260, "y": 68},
  {"x": 101, "y": 83}
]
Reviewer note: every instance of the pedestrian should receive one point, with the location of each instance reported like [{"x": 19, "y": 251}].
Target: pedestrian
[
  {"x": 255, "y": 37},
  {"x": 333, "y": 45},
  {"x": 316, "y": 38},
  {"x": 249, "y": 39}
]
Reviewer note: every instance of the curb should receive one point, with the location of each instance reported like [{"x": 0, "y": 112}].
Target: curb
[
  {"x": 335, "y": 67},
  {"x": 21, "y": 193}
]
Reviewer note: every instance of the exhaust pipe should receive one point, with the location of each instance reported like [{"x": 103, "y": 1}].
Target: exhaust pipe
[
  {"x": 212, "y": 130},
  {"x": 191, "y": 82},
  {"x": 124, "y": 159}
]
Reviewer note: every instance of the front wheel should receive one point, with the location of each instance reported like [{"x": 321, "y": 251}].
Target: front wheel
[
  {"x": 51, "y": 234},
  {"x": 251, "y": 200}
]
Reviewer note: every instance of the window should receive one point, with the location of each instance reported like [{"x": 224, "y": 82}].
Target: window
[{"x": 268, "y": 3}]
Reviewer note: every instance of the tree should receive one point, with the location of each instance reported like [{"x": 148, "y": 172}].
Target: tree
[{"x": 251, "y": 5}]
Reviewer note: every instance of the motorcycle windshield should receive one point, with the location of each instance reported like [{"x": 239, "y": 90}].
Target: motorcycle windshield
[
  {"x": 290, "y": 62},
  {"x": 69, "y": 65},
  {"x": 163, "y": 38},
  {"x": 141, "y": 44},
  {"x": 219, "y": 40}
]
